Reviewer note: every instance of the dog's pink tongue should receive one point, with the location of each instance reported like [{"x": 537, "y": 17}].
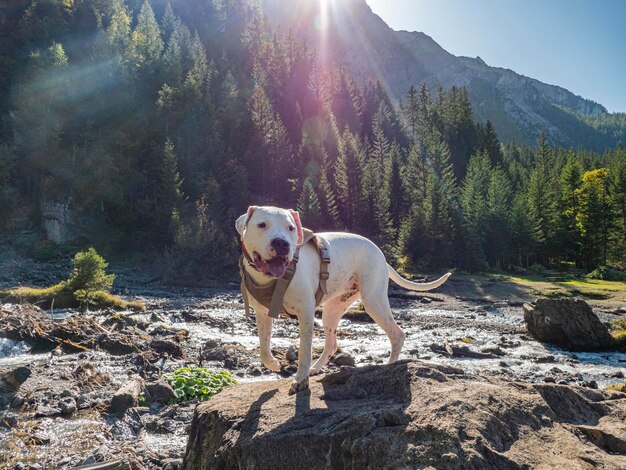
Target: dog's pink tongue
[{"x": 276, "y": 269}]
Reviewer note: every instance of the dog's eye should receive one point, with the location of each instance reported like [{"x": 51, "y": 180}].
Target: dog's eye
[
  {"x": 262, "y": 225},
  {"x": 291, "y": 228}
]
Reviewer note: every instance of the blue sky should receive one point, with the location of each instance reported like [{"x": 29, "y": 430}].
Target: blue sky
[{"x": 577, "y": 44}]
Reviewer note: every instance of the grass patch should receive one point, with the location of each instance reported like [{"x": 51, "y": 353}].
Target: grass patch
[
  {"x": 198, "y": 382},
  {"x": 88, "y": 286},
  {"x": 618, "y": 387},
  {"x": 552, "y": 293},
  {"x": 594, "y": 289},
  {"x": 618, "y": 331},
  {"x": 593, "y": 294}
]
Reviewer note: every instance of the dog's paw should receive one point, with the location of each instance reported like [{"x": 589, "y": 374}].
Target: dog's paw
[
  {"x": 274, "y": 365},
  {"x": 298, "y": 386}
]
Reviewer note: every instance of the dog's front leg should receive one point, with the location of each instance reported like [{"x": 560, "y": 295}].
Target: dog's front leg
[
  {"x": 264, "y": 326},
  {"x": 301, "y": 382}
]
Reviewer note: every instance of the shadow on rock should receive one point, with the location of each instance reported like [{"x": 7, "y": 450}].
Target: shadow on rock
[{"x": 407, "y": 415}]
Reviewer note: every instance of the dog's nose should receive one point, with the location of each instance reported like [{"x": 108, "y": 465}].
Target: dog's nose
[{"x": 281, "y": 246}]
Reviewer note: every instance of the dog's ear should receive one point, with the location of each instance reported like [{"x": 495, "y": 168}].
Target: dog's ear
[
  {"x": 242, "y": 221},
  {"x": 296, "y": 218}
]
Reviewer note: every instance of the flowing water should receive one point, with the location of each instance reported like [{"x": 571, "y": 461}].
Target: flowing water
[{"x": 219, "y": 316}]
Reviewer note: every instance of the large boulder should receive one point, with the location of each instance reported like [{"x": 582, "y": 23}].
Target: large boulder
[
  {"x": 567, "y": 323},
  {"x": 408, "y": 415}
]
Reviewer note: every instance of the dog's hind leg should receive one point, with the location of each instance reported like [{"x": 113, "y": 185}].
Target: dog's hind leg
[
  {"x": 333, "y": 311},
  {"x": 264, "y": 326},
  {"x": 377, "y": 306}
]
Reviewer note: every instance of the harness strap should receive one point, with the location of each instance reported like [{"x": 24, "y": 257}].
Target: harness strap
[
  {"x": 325, "y": 261},
  {"x": 246, "y": 301},
  {"x": 281, "y": 285}
]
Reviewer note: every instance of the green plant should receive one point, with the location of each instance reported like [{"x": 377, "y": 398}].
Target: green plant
[
  {"x": 608, "y": 273},
  {"x": 88, "y": 272},
  {"x": 191, "y": 382},
  {"x": 619, "y": 324},
  {"x": 89, "y": 285}
]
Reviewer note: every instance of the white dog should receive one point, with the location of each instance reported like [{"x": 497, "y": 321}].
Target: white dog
[{"x": 357, "y": 269}]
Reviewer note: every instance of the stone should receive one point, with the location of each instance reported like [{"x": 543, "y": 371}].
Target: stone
[
  {"x": 410, "y": 414},
  {"x": 292, "y": 354},
  {"x": 568, "y": 323},
  {"x": 8, "y": 420},
  {"x": 11, "y": 380},
  {"x": 343, "y": 359},
  {"x": 160, "y": 392},
  {"x": 67, "y": 405},
  {"x": 170, "y": 348}
]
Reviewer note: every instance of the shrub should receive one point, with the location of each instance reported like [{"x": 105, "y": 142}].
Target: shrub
[
  {"x": 88, "y": 285},
  {"x": 88, "y": 272},
  {"x": 191, "y": 382},
  {"x": 608, "y": 273}
]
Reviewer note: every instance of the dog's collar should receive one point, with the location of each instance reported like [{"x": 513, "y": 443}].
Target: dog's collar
[{"x": 247, "y": 256}]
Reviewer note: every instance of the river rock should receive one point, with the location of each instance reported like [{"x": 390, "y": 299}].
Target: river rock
[
  {"x": 67, "y": 405},
  {"x": 343, "y": 359},
  {"x": 160, "y": 392},
  {"x": 568, "y": 323},
  {"x": 11, "y": 380},
  {"x": 408, "y": 415}
]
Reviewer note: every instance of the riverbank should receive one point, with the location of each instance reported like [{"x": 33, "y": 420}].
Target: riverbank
[{"x": 473, "y": 322}]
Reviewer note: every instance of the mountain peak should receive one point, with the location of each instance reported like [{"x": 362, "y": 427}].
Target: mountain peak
[{"x": 521, "y": 108}]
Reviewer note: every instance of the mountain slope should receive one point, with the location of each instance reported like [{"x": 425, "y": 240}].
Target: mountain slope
[{"x": 519, "y": 107}]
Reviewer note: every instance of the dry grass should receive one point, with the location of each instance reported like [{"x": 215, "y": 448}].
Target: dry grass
[{"x": 618, "y": 387}]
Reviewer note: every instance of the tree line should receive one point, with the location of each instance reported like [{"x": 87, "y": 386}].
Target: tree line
[{"x": 159, "y": 122}]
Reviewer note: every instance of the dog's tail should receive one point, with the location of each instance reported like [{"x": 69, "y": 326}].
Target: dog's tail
[{"x": 420, "y": 286}]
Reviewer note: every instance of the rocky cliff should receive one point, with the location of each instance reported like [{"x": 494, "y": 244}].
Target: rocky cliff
[
  {"x": 409, "y": 415},
  {"x": 519, "y": 107}
]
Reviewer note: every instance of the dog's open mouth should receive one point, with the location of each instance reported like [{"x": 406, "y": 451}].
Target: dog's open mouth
[{"x": 274, "y": 267}]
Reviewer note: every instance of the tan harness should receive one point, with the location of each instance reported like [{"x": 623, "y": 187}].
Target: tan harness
[{"x": 271, "y": 295}]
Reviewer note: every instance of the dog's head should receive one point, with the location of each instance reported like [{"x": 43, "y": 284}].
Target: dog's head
[{"x": 270, "y": 235}]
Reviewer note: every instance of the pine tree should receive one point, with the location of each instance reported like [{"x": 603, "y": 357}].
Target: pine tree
[
  {"x": 474, "y": 193},
  {"x": 146, "y": 43},
  {"x": 199, "y": 73},
  {"x": 168, "y": 23},
  {"x": 488, "y": 142},
  {"x": 327, "y": 198},
  {"x": 118, "y": 30},
  {"x": 523, "y": 232},
  {"x": 499, "y": 196},
  {"x": 594, "y": 216},
  {"x": 617, "y": 199},
  {"x": 440, "y": 204},
  {"x": 410, "y": 112},
  {"x": 170, "y": 188},
  {"x": 394, "y": 187},
  {"x": 567, "y": 236},
  {"x": 348, "y": 178},
  {"x": 542, "y": 202},
  {"x": 309, "y": 206}
]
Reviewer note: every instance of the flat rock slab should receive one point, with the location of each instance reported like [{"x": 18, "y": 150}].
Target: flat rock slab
[{"x": 408, "y": 415}]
